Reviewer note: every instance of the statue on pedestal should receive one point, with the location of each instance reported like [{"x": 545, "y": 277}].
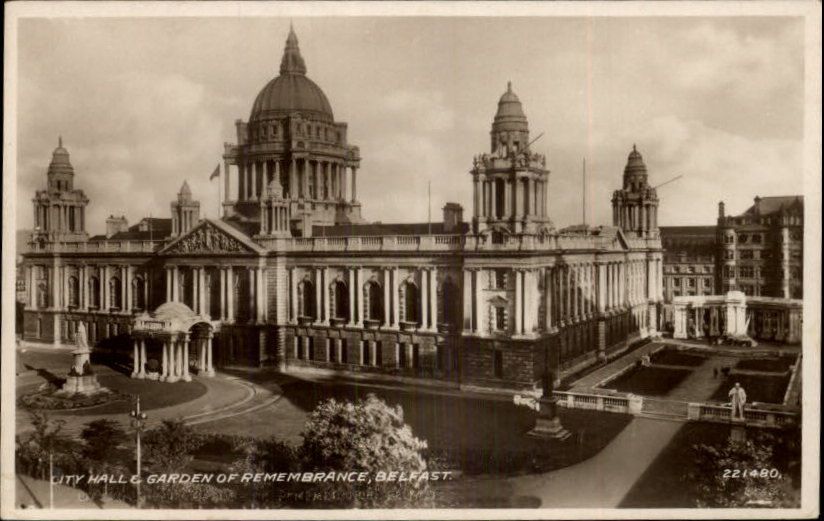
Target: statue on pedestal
[
  {"x": 547, "y": 422},
  {"x": 738, "y": 397},
  {"x": 81, "y": 378}
]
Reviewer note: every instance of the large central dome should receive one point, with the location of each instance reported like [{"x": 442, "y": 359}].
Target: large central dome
[{"x": 292, "y": 91}]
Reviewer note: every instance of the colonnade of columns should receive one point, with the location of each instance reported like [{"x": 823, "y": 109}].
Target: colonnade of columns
[
  {"x": 307, "y": 179},
  {"x": 200, "y": 292},
  {"x": 60, "y": 217},
  {"x": 175, "y": 357},
  {"x": 522, "y": 196},
  {"x": 58, "y": 286},
  {"x": 641, "y": 217},
  {"x": 388, "y": 283},
  {"x": 567, "y": 294}
]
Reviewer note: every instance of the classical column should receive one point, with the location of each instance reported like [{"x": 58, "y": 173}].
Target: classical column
[
  {"x": 127, "y": 295},
  {"x": 104, "y": 288},
  {"x": 141, "y": 373},
  {"x": 210, "y": 371},
  {"x": 359, "y": 296},
  {"x": 433, "y": 299},
  {"x": 83, "y": 289},
  {"x": 185, "y": 361},
  {"x": 338, "y": 350},
  {"x": 373, "y": 353},
  {"x": 396, "y": 308},
  {"x": 293, "y": 180},
  {"x": 387, "y": 302},
  {"x": 519, "y": 292},
  {"x": 293, "y": 295},
  {"x": 230, "y": 295},
  {"x": 353, "y": 310},
  {"x": 319, "y": 304},
  {"x": 354, "y": 184},
  {"x": 202, "y": 291},
  {"x": 250, "y": 274},
  {"x": 476, "y": 196},
  {"x": 135, "y": 359},
  {"x": 164, "y": 373},
  {"x": 467, "y": 301},
  {"x": 222, "y": 293},
  {"x": 169, "y": 283},
  {"x": 176, "y": 284},
  {"x": 548, "y": 299},
  {"x": 424, "y": 298}
]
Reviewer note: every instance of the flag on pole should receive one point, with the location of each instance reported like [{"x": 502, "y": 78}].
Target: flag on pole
[{"x": 216, "y": 173}]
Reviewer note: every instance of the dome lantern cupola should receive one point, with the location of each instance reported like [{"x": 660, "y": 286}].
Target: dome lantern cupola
[{"x": 510, "y": 128}]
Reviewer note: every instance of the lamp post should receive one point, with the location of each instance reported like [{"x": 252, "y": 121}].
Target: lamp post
[{"x": 138, "y": 420}]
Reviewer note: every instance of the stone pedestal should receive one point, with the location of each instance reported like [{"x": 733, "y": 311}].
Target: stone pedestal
[
  {"x": 548, "y": 424},
  {"x": 738, "y": 432},
  {"x": 86, "y": 384}
]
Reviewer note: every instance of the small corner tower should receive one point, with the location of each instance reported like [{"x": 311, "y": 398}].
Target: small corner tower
[
  {"x": 185, "y": 211},
  {"x": 635, "y": 205},
  {"x": 510, "y": 183},
  {"x": 60, "y": 210}
]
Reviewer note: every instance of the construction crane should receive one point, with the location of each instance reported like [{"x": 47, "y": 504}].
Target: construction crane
[{"x": 679, "y": 176}]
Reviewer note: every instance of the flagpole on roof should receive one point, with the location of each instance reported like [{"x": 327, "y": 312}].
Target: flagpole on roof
[{"x": 429, "y": 205}]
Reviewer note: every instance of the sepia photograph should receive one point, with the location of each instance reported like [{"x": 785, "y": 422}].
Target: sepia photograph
[{"x": 411, "y": 260}]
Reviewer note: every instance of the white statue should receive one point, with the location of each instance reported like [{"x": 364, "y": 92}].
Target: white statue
[
  {"x": 81, "y": 354},
  {"x": 738, "y": 397}
]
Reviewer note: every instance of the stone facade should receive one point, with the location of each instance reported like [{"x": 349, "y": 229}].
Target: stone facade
[{"x": 292, "y": 278}]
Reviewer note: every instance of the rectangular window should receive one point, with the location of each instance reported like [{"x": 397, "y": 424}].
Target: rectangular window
[
  {"x": 364, "y": 352},
  {"x": 500, "y": 319},
  {"x": 691, "y": 282},
  {"x": 746, "y": 254},
  {"x": 416, "y": 357},
  {"x": 440, "y": 358},
  {"x": 344, "y": 351},
  {"x": 498, "y": 364},
  {"x": 401, "y": 355},
  {"x": 707, "y": 283},
  {"x": 676, "y": 282},
  {"x": 379, "y": 353},
  {"x": 311, "y": 355},
  {"x": 500, "y": 279}
]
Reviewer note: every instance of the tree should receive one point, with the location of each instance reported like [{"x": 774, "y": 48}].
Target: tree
[
  {"x": 367, "y": 436},
  {"x": 170, "y": 446},
  {"x": 101, "y": 439},
  {"x": 718, "y": 485},
  {"x": 47, "y": 439},
  {"x": 268, "y": 456}
]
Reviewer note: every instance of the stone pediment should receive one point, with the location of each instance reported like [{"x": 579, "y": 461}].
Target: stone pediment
[{"x": 211, "y": 237}]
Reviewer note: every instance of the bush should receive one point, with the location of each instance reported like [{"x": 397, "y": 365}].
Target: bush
[{"x": 366, "y": 436}]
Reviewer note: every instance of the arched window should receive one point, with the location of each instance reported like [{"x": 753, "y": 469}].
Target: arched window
[
  {"x": 411, "y": 302},
  {"x": 373, "y": 296},
  {"x": 74, "y": 292},
  {"x": 114, "y": 293},
  {"x": 94, "y": 292},
  {"x": 340, "y": 300},
  {"x": 306, "y": 296},
  {"x": 450, "y": 302},
  {"x": 138, "y": 297}
]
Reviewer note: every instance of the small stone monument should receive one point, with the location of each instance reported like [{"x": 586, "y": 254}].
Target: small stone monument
[
  {"x": 81, "y": 378},
  {"x": 547, "y": 422}
]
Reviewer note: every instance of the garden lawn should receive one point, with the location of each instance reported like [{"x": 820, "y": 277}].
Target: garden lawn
[
  {"x": 759, "y": 388},
  {"x": 153, "y": 394},
  {"x": 477, "y": 436},
  {"x": 767, "y": 365},
  {"x": 648, "y": 381}
]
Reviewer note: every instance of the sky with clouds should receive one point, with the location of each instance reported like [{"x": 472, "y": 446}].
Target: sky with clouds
[{"x": 143, "y": 104}]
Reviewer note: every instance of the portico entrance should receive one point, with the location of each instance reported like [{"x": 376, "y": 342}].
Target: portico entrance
[{"x": 186, "y": 340}]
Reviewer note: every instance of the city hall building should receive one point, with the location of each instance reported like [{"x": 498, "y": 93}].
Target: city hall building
[{"x": 293, "y": 277}]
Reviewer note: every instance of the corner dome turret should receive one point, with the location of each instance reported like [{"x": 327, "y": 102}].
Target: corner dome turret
[{"x": 635, "y": 163}]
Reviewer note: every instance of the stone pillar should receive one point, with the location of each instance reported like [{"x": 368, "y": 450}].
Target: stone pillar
[
  {"x": 519, "y": 308},
  {"x": 548, "y": 325},
  {"x": 185, "y": 362},
  {"x": 354, "y": 184},
  {"x": 210, "y": 371},
  {"x": 467, "y": 301},
  {"x": 433, "y": 299},
  {"x": 293, "y": 296},
  {"x": 230, "y": 295},
  {"x": 353, "y": 310},
  {"x": 327, "y": 308},
  {"x": 387, "y": 302},
  {"x": 396, "y": 308},
  {"x": 338, "y": 350},
  {"x": 223, "y": 293},
  {"x": 176, "y": 296},
  {"x": 424, "y": 298},
  {"x": 373, "y": 353},
  {"x": 201, "y": 283},
  {"x": 141, "y": 373},
  {"x": 164, "y": 373},
  {"x": 250, "y": 274},
  {"x": 135, "y": 359}
]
